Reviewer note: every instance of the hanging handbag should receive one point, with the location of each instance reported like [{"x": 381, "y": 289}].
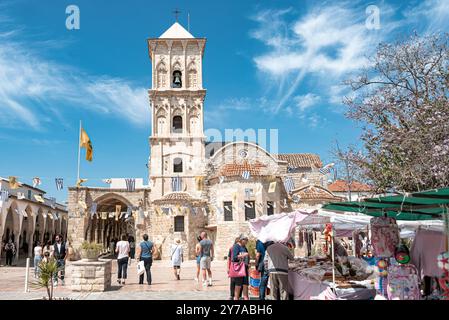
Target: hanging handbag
[{"x": 237, "y": 269}]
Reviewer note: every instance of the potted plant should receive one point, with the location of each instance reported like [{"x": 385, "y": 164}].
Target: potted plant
[{"x": 90, "y": 250}]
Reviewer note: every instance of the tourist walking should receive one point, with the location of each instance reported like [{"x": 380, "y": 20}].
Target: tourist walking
[
  {"x": 277, "y": 256},
  {"x": 132, "y": 247},
  {"x": 177, "y": 258},
  {"x": 207, "y": 254},
  {"x": 260, "y": 266},
  {"x": 38, "y": 255},
  {"x": 147, "y": 250},
  {"x": 10, "y": 251},
  {"x": 240, "y": 254},
  {"x": 198, "y": 258},
  {"x": 231, "y": 280},
  {"x": 122, "y": 250},
  {"x": 60, "y": 254}
]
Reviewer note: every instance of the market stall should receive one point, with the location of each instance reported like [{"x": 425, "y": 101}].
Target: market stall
[{"x": 400, "y": 271}]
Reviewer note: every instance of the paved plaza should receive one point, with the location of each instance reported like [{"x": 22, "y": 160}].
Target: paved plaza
[{"x": 164, "y": 287}]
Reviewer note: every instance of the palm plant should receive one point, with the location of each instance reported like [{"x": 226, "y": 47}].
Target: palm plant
[{"x": 48, "y": 270}]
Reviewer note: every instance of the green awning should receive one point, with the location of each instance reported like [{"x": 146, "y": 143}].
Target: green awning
[{"x": 426, "y": 205}]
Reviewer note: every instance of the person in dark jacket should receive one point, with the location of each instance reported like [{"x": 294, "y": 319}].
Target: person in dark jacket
[{"x": 60, "y": 255}]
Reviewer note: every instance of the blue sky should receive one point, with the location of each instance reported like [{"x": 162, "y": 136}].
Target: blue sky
[{"x": 267, "y": 64}]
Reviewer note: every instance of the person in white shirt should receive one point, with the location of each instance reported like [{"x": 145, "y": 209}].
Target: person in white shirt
[
  {"x": 38, "y": 255},
  {"x": 176, "y": 258},
  {"x": 122, "y": 250}
]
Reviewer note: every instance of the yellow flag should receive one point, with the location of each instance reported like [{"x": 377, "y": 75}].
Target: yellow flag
[
  {"x": 79, "y": 182},
  {"x": 13, "y": 183},
  {"x": 199, "y": 183},
  {"x": 118, "y": 209},
  {"x": 87, "y": 144}
]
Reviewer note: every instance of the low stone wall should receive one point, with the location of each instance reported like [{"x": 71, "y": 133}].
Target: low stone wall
[{"x": 90, "y": 276}]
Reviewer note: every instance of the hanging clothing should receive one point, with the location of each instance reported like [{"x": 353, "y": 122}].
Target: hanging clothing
[
  {"x": 384, "y": 236},
  {"x": 301, "y": 238},
  {"x": 426, "y": 247}
]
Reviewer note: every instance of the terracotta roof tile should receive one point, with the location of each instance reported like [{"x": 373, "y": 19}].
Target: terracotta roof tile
[
  {"x": 312, "y": 192},
  {"x": 237, "y": 169},
  {"x": 342, "y": 186},
  {"x": 301, "y": 160}
]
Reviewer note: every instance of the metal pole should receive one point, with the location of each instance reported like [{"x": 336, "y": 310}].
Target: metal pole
[
  {"x": 79, "y": 153},
  {"x": 333, "y": 259},
  {"x": 27, "y": 271}
]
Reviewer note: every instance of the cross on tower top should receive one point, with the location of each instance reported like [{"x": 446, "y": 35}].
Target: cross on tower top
[{"x": 176, "y": 12}]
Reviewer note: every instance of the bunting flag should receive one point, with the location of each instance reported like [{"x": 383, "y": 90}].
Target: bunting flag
[
  {"x": 272, "y": 187},
  {"x": 36, "y": 182},
  {"x": 107, "y": 181},
  {"x": 50, "y": 215},
  {"x": 59, "y": 183},
  {"x": 199, "y": 181},
  {"x": 56, "y": 216},
  {"x": 39, "y": 198},
  {"x": 52, "y": 201},
  {"x": 178, "y": 208},
  {"x": 327, "y": 168},
  {"x": 4, "y": 195},
  {"x": 246, "y": 175},
  {"x": 25, "y": 214},
  {"x": 118, "y": 208},
  {"x": 79, "y": 182},
  {"x": 20, "y": 195},
  {"x": 130, "y": 185},
  {"x": 296, "y": 198},
  {"x": 248, "y": 205},
  {"x": 176, "y": 184},
  {"x": 111, "y": 214},
  {"x": 205, "y": 212},
  {"x": 289, "y": 184},
  {"x": 141, "y": 213},
  {"x": 128, "y": 212},
  {"x": 13, "y": 183},
  {"x": 166, "y": 210},
  {"x": 104, "y": 215},
  {"x": 87, "y": 144},
  {"x": 93, "y": 209},
  {"x": 221, "y": 179}
]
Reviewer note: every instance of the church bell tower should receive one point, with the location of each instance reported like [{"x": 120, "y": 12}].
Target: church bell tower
[{"x": 177, "y": 103}]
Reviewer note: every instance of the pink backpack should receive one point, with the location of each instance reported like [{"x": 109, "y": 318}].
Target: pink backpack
[{"x": 403, "y": 282}]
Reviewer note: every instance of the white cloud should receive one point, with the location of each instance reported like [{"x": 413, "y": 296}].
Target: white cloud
[
  {"x": 306, "y": 101},
  {"x": 33, "y": 90},
  {"x": 326, "y": 43},
  {"x": 432, "y": 14}
]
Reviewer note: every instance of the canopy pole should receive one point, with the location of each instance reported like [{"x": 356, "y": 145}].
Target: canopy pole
[{"x": 333, "y": 258}]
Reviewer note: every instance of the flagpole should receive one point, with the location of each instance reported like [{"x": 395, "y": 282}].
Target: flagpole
[{"x": 79, "y": 154}]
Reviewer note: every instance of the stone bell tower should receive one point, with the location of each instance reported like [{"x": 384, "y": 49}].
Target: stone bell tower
[{"x": 177, "y": 102}]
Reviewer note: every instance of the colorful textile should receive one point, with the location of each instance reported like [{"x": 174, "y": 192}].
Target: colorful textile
[
  {"x": 426, "y": 247},
  {"x": 384, "y": 236},
  {"x": 403, "y": 282}
]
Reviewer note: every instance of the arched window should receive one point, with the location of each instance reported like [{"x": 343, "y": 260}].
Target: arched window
[
  {"x": 177, "y": 79},
  {"x": 161, "y": 125},
  {"x": 177, "y": 165},
  {"x": 177, "y": 124}
]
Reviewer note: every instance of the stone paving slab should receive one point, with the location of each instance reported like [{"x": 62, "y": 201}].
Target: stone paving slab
[{"x": 164, "y": 285}]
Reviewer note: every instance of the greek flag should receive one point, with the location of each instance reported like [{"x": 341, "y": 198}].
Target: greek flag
[
  {"x": 93, "y": 209},
  {"x": 221, "y": 179},
  {"x": 4, "y": 195},
  {"x": 246, "y": 175},
  {"x": 52, "y": 201},
  {"x": 290, "y": 169},
  {"x": 326, "y": 169},
  {"x": 130, "y": 184},
  {"x": 59, "y": 183},
  {"x": 176, "y": 184},
  {"x": 165, "y": 210},
  {"x": 289, "y": 184},
  {"x": 128, "y": 212}
]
